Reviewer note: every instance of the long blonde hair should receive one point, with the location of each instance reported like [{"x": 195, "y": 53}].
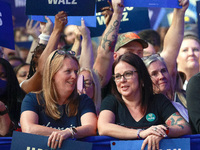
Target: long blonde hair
[
  {"x": 52, "y": 66},
  {"x": 97, "y": 88}
]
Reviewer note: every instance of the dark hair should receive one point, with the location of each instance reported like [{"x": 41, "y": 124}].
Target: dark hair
[
  {"x": 34, "y": 61},
  {"x": 145, "y": 83},
  {"x": 16, "y": 69},
  {"x": 150, "y": 36},
  {"x": 14, "y": 94}
]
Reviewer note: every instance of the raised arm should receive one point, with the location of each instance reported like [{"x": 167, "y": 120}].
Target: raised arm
[
  {"x": 87, "y": 56},
  {"x": 174, "y": 37},
  {"x": 34, "y": 31},
  {"x": 104, "y": 60},
  {"x": 35, "y": 82},
  {"x": 60, "y": 22}
]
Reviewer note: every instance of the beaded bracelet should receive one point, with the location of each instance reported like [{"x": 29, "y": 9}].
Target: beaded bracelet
[{"x": 138, "y": 133}]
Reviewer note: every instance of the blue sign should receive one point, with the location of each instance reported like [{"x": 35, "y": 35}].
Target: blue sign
[
  {"x": 52, "y": 7},
  {"x": 133, "y": 19},
  {"x": 6, "y": 26},
  {"x": 90, "y": 21},
  {"x": 18, "y": 11},
  {"x": 25, "y": 141},
  {"x": 198, "y": 17},
  {"x": 153, "y": 3},
  {"x": 143, "y": 3},
  {"x": 165, "y": 144}
]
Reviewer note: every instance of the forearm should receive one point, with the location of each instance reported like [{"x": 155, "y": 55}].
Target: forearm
[
  {"x": 84, "y": 131},
  {"x": 51, "y": 46},
  {"x": 37, "y": 129},
  {"x": 33, "y": 46},
  {"x": 77, "y": 47},
  {"x": 4, "y": 124},
  {"x": 104, "y": 60},
  {"x": 117, "y": 131},
  {"x": 179, "y": 130},
  {"x": 87, "y": 52},
  {"x": 173, "y": 40}
]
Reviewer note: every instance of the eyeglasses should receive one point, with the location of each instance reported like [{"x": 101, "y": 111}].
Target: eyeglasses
[
  {"x": 127, "y": 75},
  {"x": 62, "y": 52}
]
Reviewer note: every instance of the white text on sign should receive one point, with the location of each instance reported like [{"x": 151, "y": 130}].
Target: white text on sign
[
  {"x": 64, "y": 2},
  {"x": 1, "y": 22}
]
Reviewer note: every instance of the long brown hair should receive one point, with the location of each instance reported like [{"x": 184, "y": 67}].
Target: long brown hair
[{"x": 53, "y": 64}]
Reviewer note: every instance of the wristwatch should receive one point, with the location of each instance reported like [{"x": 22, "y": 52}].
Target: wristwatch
[{"x": 4, "y": 112}]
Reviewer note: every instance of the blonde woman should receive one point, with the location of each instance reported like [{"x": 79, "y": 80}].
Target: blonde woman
[{"x": 58, "y": 111}]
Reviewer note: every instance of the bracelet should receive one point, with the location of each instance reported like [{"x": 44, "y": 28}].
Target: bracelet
[
  {"x": 138, "y": 133},
  {"x": 44, "y": 37},
  {"x": 73, "y": 131}
]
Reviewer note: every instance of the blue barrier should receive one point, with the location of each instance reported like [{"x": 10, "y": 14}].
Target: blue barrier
[{"x": 103, "y": 142}]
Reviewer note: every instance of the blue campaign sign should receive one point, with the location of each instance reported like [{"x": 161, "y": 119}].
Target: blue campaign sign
[
  {"x": 153, "y": 3},
  {"x": 165, "y": 144},
  {"x": 6, "y": 26},
  {"x": 25, "y": 141},
  {"x": 133, "y": 19},
  {"x": 52, "y": 7},
  {"x": 90, "y": 21},
  {"x": 142, "y": 3},
  {"x": 198, "y": 17}
]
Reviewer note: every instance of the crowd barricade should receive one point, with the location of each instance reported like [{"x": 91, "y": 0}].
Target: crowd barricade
[{"x": 103, "y": 142}]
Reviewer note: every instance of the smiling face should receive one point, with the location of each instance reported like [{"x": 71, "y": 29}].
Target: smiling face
[
  {"x": 127, "y": 87},
  {"x": 160, "y": 77},
  {"x": 65, "y": 79},
  {"x": 188, "y": 57}
]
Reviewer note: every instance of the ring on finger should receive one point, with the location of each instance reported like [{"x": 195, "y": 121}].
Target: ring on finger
[
  {"x": 155, "y": 128},
  {"x": 111, "y": 9}
]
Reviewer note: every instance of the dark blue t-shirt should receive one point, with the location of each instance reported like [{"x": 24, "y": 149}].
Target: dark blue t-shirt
[{"x": 30, "y": 103}]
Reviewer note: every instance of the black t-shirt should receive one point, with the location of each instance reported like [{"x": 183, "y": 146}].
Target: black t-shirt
[
  {"x": 193, "y": 103},
  {"x": 159, "y": 110}
]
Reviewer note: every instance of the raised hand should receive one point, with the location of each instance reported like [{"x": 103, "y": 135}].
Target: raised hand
[{"x": 33, "y": 30}]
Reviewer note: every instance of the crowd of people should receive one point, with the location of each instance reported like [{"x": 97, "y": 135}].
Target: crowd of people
[{"x": 133, "y": 86}]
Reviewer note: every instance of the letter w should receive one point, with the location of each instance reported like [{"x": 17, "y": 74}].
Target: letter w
[{"x": 54, "y": 1}]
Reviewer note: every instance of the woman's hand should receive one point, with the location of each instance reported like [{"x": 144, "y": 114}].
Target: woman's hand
[
  {"x": 152, "y": 141},
  {"x": 158, "y": 130},
  {"x": 46, "y": 28},
  {"x": 33, "y": 30},
  {"x": 56, "y": 138}
]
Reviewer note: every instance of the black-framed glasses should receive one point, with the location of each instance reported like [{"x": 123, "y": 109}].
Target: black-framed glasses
[
  {"x": 62, "y": 52},
  {"x": 127, "y": 75}
]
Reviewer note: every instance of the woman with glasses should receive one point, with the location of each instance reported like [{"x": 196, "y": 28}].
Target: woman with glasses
[
  {"x": 133, "y": 111},
  {"x": 58, "y": 111},
  {"x": 162, "y": 82},
  {"x": 92, "y": 85}
]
